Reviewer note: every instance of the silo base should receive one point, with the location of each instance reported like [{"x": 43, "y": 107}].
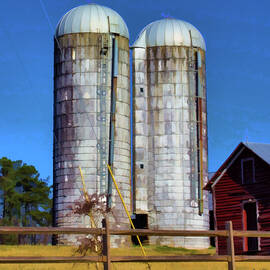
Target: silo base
[
  {"x": 185, "y": 242},
  {"x": 74, "y": 240}
]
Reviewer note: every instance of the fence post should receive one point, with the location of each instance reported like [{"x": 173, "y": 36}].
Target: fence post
[
  {"x": 106, "y": 244},
  {"x": 230, "y": 246}
]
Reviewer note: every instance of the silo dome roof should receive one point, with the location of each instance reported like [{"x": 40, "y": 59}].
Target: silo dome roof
[
  {"x": 91, "y": 18},
  {"x": 169, "y": 32}
]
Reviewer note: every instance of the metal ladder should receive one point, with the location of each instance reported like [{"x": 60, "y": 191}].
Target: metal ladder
[
  {"x": 196, "y": 147},
  {"x": 102, "y": 92},
  {"x": 193, "y": 124},
  {"x": 193, "y": 130}
]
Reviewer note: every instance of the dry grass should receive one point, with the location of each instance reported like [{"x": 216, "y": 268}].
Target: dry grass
[{"x": 150, "y": 250}]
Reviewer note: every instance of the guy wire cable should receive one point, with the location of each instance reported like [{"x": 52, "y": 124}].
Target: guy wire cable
[{"x": 50, "y": 23}]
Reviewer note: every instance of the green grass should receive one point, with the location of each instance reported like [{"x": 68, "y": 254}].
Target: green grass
[
  {"x": 183, "y": 251},
  {"x": 150, "y": 250}
]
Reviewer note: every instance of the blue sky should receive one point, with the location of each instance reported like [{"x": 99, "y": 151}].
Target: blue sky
[{"x": 237, "y": 35}]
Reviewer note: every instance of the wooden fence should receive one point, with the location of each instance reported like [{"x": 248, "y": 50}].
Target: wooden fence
[{"x": 107, "y": 259}]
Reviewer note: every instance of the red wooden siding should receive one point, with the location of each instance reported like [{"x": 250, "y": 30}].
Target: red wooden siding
[{"x": 230, "y": 193}]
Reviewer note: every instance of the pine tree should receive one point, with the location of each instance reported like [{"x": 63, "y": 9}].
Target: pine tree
[{"x": 25, "y": 196}]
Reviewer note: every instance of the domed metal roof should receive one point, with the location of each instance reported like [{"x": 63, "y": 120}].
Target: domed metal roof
[
  {"x": 169, "y": 32},
  {"x": 91, "y": 18}
]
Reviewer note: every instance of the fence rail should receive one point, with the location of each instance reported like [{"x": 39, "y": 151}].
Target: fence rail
[
  {"x": 140, "y": 232},
  {"x": 107, "y": 259}
]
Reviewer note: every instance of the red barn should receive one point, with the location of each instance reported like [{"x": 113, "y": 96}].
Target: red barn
[{"x": 241, "y": 193}]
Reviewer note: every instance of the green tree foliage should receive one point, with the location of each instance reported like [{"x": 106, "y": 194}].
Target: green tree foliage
[{"x": 25, "y": 196}]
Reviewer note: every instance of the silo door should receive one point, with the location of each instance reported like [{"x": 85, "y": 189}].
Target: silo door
[
  {"x": 140, "y": 222},
  {"x": 250, "y": 224}
]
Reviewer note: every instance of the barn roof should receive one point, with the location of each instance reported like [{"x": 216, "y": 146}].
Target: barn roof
[{"x": 262, "y": 150}]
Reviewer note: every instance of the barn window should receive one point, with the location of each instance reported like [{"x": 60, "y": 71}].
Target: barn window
[{"x": 248, "y": 171}]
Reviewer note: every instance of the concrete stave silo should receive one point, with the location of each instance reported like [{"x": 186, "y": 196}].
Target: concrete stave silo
[
  {"x": 170, "y": 129},
  {"x": 91, "y": 111}
]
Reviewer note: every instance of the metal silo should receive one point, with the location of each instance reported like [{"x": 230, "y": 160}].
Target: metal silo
[
  {"x": 170, "y": 130},
  {"x": 91, "y": 111}
]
